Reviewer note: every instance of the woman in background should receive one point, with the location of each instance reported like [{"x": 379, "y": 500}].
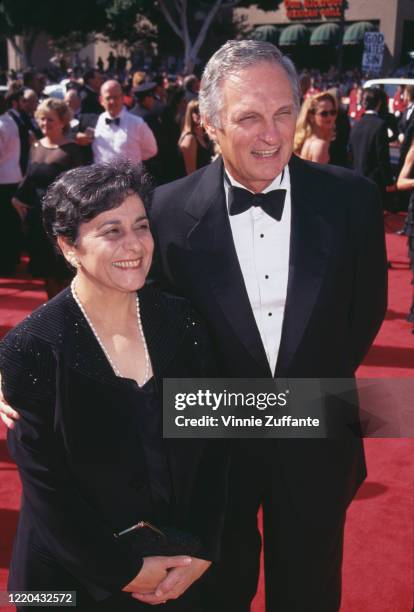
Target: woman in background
[
  {"x": 194, "y": 143},
  {"x": 49, "y": 157},
  {"x": 405, "y": 182},
  {"x": 315, "y": 128}
]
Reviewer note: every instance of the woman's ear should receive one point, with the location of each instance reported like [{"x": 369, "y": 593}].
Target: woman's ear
[{"x": 68, "y": 251}]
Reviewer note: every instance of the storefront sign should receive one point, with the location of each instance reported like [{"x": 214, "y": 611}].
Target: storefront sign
[
  {"x": 313, "y": 9},
  {"x": 373, "y": 52}
]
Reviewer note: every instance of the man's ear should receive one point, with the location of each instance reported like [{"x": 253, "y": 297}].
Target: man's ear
[{"x": 210, "y": 129}]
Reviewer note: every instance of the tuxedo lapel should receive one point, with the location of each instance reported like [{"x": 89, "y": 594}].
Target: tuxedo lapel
[
  {"x": 211, "y": 242},
  {"x": 309, "y": 250}
]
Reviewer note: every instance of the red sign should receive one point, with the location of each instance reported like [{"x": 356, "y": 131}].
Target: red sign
[{"x": 313, "y": 9}]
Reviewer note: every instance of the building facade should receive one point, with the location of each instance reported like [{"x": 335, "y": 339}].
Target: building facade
[{"x": 315, "y": 32}]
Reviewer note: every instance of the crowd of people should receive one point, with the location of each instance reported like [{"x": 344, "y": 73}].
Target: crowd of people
[
  {"x": 268, "y": 265},
  {"x": 154, "y": 119}
]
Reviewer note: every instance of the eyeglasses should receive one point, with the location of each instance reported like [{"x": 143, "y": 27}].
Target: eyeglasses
[{"x": 325, "y": 114}]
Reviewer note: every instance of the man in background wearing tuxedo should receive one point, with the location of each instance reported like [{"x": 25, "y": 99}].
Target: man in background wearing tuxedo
[
  {"x": 89, "y": 93},
  {"x": 291, "y": 284},
  {"x": 368, "y": 144}
]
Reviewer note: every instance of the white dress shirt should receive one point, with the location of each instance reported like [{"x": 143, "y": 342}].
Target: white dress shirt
[
  {"x": 9, "y": 151},
  {"x": 132, "y": 139},
  {"x": 262, "y": 247}
]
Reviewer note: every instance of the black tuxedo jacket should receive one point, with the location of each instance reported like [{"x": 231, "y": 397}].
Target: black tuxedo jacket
[
  {"x": 336, "y": 296},
  {"x": 369, "y": 148},
  {"x": 80, "y": 455},
  {"x": 90, "y": 101}
]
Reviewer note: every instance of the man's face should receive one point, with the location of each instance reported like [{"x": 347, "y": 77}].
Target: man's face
[
  {"x": 96, "y": 82},
  {"x": 73, "y": 100},
  {"x": 19, "y": 104},
  {"x": 258, "y": 121},
  {"x": 111, "y": 98},
  {"x": 30, "y": 102},
  {"x": 149, "y": 101}
]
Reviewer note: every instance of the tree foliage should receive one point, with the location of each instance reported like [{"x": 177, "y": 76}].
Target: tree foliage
[
  {"x": 121, "y": 21},
  {"x": 190, "y": 20},
  {"x": 27, "y": 18}
]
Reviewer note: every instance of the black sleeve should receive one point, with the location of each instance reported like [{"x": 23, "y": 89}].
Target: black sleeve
[
  {"x": 70, "y": 528},
  {"x": 77, "y": 155},
  {"x": 209, "y": 495},
  {"x": 26, "y": 191},
  {"x": 369, "y": 298}
]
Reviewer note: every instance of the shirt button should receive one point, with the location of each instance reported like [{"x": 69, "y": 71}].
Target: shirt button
[
  {"x": 266, "y": 276},
  {"x": 261, "y": 235},
  {"x": 270, "y": 314}
]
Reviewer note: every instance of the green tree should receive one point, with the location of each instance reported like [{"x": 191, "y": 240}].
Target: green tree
[
  {"x": 189, "y": 20},
  {"x": 28, "y": 19}
]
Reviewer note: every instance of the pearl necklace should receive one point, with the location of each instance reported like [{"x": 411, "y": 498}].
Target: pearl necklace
[{"x": 101, "y": 344}]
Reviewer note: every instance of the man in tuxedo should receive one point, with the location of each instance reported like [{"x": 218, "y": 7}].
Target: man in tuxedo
[
  {"x": 296, "y": 288},
  {"x": 89, "y": 93},
  {"x": 368, "y": 143},
  {"x": 118, "y": 133}
]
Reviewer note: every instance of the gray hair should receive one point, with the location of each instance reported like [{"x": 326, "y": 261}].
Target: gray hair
[{"x": 233, "y": 57}]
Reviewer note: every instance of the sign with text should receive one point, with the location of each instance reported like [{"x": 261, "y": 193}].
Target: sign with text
[
  {"x": 373, "y": 54},
  {"x": 313, "y": 9}
]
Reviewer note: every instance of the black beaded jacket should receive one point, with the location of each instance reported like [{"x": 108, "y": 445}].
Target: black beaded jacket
[{"x": 77, "y": 453}]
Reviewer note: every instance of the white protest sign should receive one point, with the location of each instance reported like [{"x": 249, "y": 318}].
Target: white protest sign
[{"x": 373, "y": 52}]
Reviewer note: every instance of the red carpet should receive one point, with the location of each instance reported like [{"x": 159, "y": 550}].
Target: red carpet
[{"x": 379, "y": 545}]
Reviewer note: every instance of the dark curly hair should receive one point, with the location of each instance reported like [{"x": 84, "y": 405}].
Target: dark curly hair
[{"x": 81, "y": 194}]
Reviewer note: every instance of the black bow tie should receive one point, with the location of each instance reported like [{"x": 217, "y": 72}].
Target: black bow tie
[
  {"x": 109, "y": 121},
  {"x": 271, "y": 202}
]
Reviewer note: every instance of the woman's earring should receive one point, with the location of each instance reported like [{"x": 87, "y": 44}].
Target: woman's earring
[{"x": 73, "y": 260}]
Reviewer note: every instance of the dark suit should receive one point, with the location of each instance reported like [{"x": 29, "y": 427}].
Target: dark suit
[
  {"x": 82, "y": 459},
  {"x": 90, "y": 101},
  {"x": 83, "y": 121},
  {"x": 369, "y": 148},
  {"x": 336, "y": 301}
]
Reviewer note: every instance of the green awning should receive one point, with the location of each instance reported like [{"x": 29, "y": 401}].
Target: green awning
[
  {"x": 326, "y": 34},
  {"x": 265, "y": 33},
  {"x": 297, "y": 34},
  {"x": 354, "y": 34}
]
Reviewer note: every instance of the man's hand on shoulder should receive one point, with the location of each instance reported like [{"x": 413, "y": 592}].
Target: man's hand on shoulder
[{"x": 7, "y": 414}]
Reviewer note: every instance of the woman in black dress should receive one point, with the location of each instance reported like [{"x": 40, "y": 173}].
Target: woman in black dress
[
  {"x": 49, "y": 157},
  {"x": 194, "y": 144},
  {"x": 85, "y": 374}
]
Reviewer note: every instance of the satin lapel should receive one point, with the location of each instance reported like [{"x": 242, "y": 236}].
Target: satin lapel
[
  {"x": 212, "y": 244},
  {"x": 309, "y": 249}
]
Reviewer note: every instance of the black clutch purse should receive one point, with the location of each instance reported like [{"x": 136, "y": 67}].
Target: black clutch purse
[{"x": 146, "y": 540}]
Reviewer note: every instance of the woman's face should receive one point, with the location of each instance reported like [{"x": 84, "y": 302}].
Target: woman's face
[
  {"x": 325, "y": 115},
  {"x": 50, "y": 124},
  {"x": 115, "y": 248}
]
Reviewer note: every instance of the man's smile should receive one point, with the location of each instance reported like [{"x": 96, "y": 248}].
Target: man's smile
[{"x": 262, "y": 153}]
